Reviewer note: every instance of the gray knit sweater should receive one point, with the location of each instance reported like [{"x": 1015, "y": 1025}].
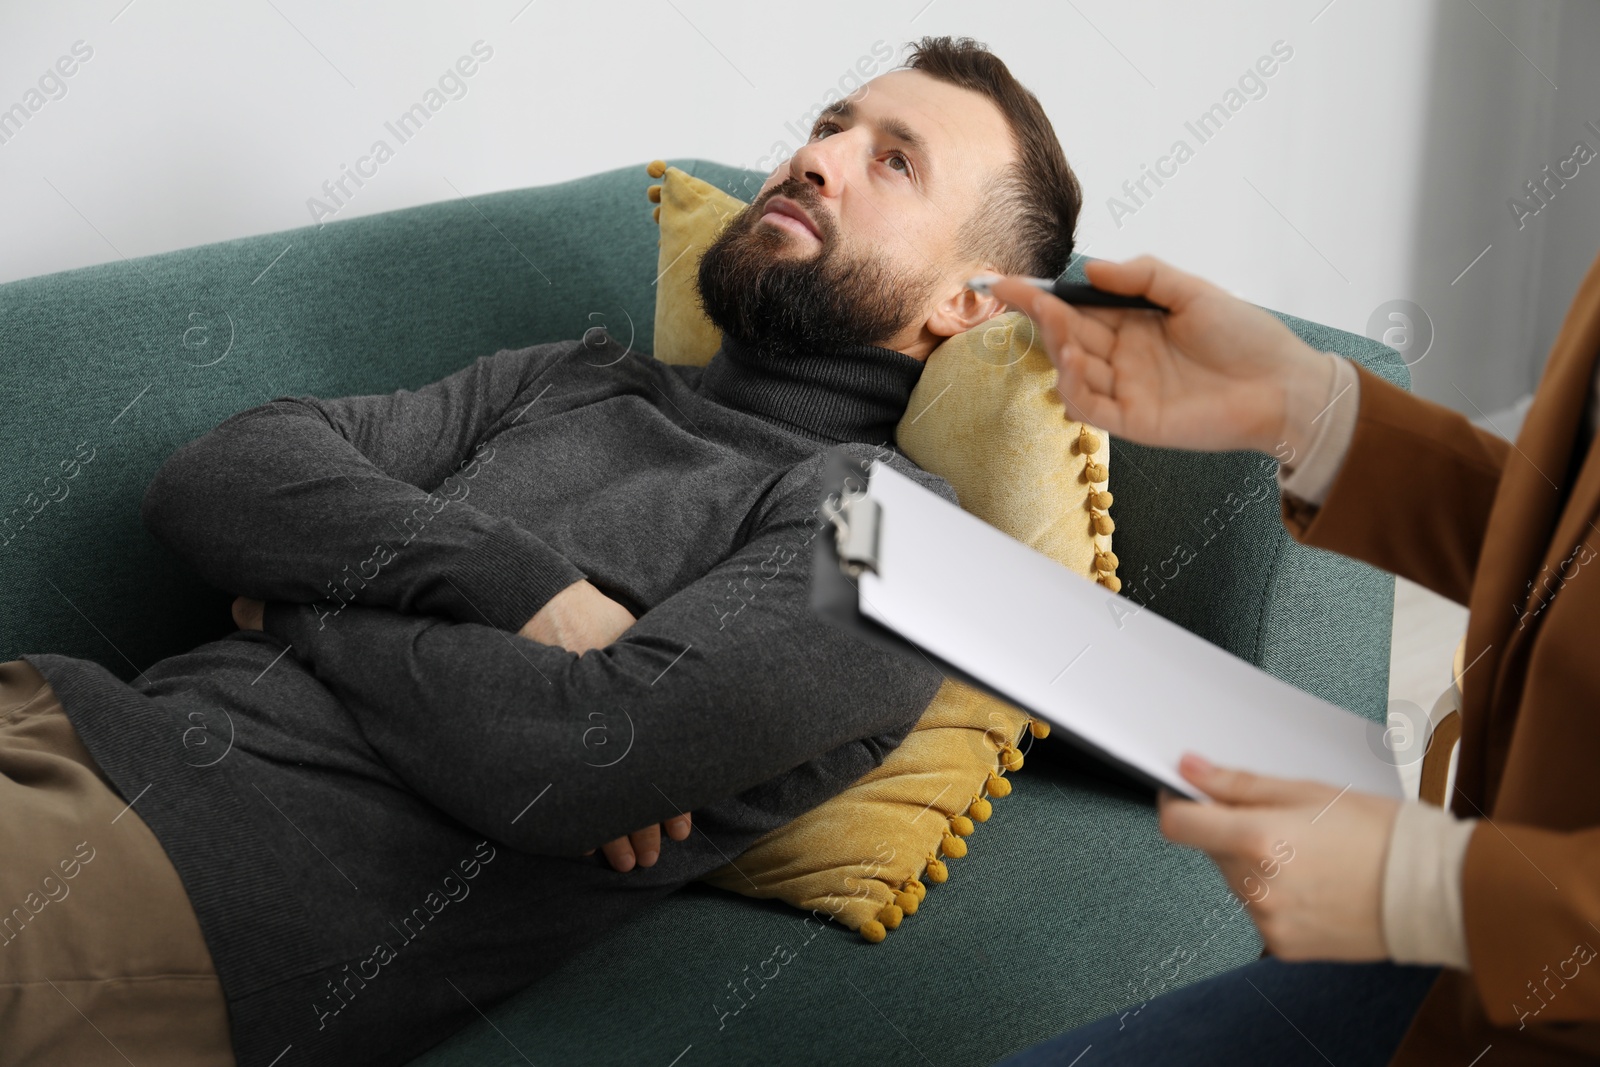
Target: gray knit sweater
[{"x": 378, "y": 804}]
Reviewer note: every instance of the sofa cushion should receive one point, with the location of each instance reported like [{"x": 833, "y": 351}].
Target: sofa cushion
[{"x": 1070, "y": 906}]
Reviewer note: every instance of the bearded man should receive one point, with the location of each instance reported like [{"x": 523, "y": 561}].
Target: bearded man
[{"x": 439, "y": 707}]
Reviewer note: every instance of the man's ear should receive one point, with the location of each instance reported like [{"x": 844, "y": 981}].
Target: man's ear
[{"x": 965, "y": 308}]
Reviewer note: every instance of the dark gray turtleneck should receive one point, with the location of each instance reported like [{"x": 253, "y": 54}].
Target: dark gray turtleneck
[{"x": 377, "y": 805}]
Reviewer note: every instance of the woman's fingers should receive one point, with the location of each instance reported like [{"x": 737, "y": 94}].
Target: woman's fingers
[
  {"x": 1057, "y": 320},
  {"x": 1079, "y": 343},
  {"x": 1244, "y": 788},
  {"x": 1146, "y": 276},
  {"x": 1111, "y": 318},
  {"x": 678, "y": 826},
  {"x": 1085, "y": 385},
  {"x": 1131, "y": 277},
  {"x": 1088, "y": 332},
  {"x": 1216, "y": 829},
  {"x": 1054, "y": 317},
  {"x": 1096, "y": 373}
]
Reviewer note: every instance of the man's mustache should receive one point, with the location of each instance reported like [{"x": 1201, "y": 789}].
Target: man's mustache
[{"x": 802, "y": 193}]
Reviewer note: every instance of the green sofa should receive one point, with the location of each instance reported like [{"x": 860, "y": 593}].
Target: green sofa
[{"x": 1068, "y": 905}]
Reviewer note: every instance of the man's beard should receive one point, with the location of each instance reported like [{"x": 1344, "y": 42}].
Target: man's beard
[{"x": 768, "y": 299}]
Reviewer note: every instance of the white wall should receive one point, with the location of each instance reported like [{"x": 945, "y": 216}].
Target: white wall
[
  {"x": 1496, "y": 117},
  {"x": 1352, "y": 181}
]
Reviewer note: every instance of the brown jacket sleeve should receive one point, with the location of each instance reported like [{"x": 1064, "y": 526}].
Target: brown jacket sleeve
[
  {"x": 1413, "y": 496},
  {"x": 1531, "y": 898},
  {"x": 1413, "y": 493}
]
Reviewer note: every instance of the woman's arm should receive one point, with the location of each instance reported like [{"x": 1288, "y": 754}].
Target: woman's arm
[
  {"x": 1308, "y": 476},
  {"x": 1413, "y": 491},
  {"x": 1422, "y": 920},
  {"x": 1531, "y": 903}
]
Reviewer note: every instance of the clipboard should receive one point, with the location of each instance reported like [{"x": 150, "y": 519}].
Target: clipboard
[{"x": 906, "y": 571}]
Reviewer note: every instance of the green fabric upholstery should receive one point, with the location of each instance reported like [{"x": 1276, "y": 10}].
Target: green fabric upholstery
[
  {"x": 1068, "y": 904},
  {"x": 363, "y": 306},
  {"x": 1313, "y": 618}
]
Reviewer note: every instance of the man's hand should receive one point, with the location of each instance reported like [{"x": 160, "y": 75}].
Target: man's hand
[
  {"x": 1214, "y": 373},
  {"x": 247, "y": 613},
  {"x": 578, "y": 618},
  {"x": 643, "y": 845},
  {"x": 1307, "y": 857}
]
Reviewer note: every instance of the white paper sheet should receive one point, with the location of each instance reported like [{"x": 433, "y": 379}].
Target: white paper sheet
[{"x": 1087, "y": 660}]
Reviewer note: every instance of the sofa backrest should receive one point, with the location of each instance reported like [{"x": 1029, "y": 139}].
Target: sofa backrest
[{"x": 105, "y": 370}]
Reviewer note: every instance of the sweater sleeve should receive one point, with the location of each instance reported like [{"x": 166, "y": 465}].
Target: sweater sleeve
[
  {"x": 1309, "y": 476},
  {"x": 1422, "y": 886},
  {"x": 730, "y": 682},
  {"x": 320, "y": 502}
]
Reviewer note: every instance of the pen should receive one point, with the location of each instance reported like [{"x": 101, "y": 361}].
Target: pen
[{"x": 1071, "y": 292}]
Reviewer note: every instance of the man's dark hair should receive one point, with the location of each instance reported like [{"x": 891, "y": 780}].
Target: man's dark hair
[{"x": 1027, "y": 216}]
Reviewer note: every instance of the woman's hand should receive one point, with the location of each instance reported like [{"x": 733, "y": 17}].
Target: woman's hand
[
  {"x": 1307, "y": 857},
  {"x": 1214, "y": 373}
]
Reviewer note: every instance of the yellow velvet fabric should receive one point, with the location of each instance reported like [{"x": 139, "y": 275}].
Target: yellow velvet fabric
[
  {"x": 691, "y": 214},
  {"x": 985, "y": 416}
]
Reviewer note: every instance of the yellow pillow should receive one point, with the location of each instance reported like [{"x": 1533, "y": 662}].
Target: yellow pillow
[
  {"x": 986, "y": 417},
  {"x": 695, "y": 213}
]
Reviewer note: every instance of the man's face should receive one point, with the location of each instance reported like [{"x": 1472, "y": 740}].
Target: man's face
[{"x": 885, "y": 184}]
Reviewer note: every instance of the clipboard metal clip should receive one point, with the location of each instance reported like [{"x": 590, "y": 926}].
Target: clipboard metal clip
[{"x": 856, "y": 519}]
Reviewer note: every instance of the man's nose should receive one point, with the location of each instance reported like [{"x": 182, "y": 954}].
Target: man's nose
[{"x": 828, "y": 162}]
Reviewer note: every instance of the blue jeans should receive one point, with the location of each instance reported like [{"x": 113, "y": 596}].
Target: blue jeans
[{"x": 1266, "y": 1012}]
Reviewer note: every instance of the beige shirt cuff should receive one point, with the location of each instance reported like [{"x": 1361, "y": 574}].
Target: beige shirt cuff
[
  {"x": 1422, "y": 920},
  {"x": 1309, "y": 476}
]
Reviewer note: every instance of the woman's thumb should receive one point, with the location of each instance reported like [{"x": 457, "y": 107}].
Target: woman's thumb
[
  {"x": 1130, "y": 277},
  {"x": 1142, "y": 276}
]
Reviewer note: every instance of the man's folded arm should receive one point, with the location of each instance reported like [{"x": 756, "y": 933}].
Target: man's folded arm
[
  {"x": 307, "y": 500},
  {"x": 730, "y": 682}
]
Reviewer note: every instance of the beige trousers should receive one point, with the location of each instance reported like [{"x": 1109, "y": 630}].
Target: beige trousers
[{"x": 101, "y": 957}]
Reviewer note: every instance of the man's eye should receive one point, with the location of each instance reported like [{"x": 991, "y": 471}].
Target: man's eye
[{"x": 905, "y": 163}]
